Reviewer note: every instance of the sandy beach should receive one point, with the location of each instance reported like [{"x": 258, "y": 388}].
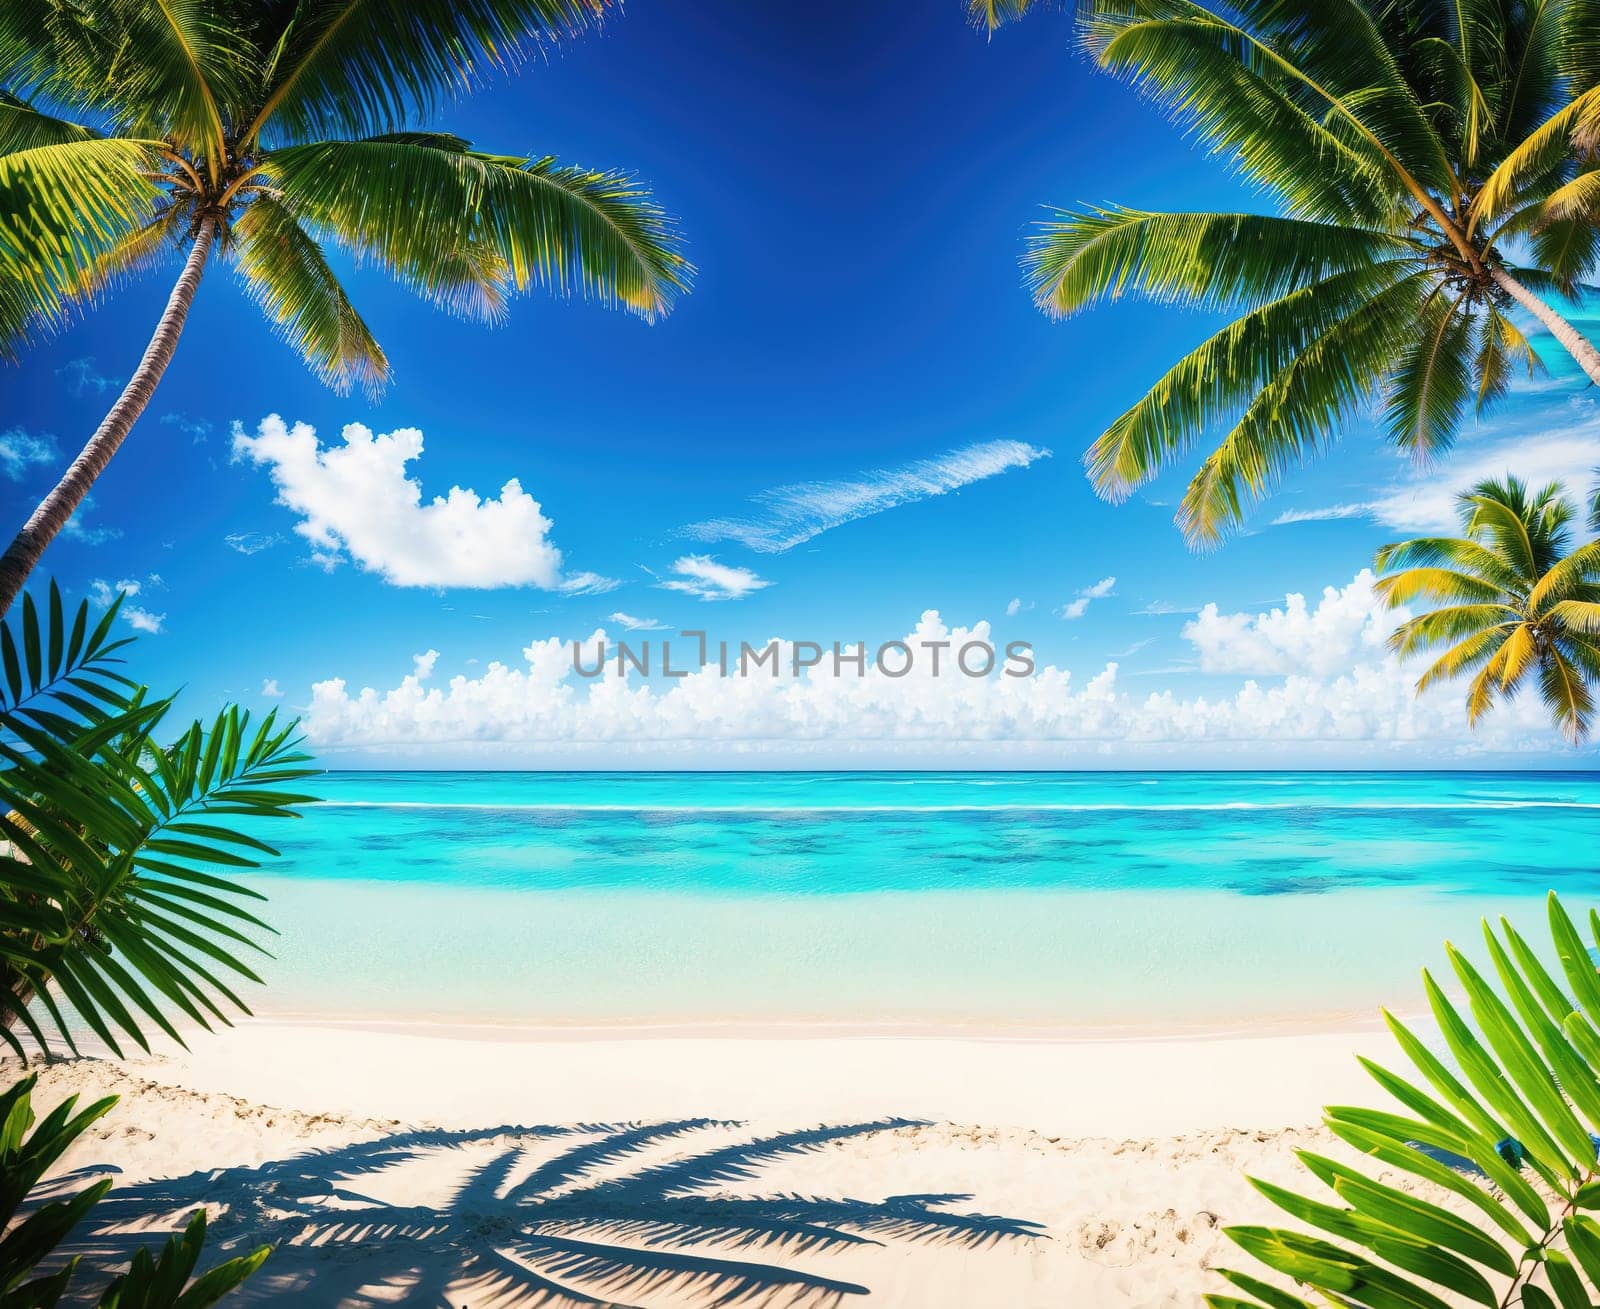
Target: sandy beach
[{"x": 447, "y": 1167}]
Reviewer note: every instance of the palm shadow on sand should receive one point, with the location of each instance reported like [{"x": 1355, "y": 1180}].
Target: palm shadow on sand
[{"x": 553, "y": 1217}]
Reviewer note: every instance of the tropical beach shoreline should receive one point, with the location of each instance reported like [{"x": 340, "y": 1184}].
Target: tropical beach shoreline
[
  {"x": 1109, "y": 1165},
  {"x": 1095, "y": 1086}
]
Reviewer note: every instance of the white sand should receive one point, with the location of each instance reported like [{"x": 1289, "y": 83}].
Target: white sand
[{"x": 387, "y": 1168}]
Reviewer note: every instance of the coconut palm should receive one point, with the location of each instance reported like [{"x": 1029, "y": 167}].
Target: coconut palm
[
  {"x": 137, "y": 130},
  {"x": 1434, "y": 166},
  {"x": 1515, "y": 602}
]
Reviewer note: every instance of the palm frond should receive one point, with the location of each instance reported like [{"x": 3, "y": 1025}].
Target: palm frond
[
  {"x": 1567, "y": 577},
  {"x": 1579, "y": 198},
  {"x": 1468, "y": 653},
  {"x": 180, "y": 64},
  {"x": 1241, "y": 108},
  {"x": 1213, "y": 382},
  {"x": 1451, "y": 623},
  {"x": 117, "y": 885},
  {"x": 989, "y": 15},
  {"x": 136, "y": 254},
  {"x": 1299, "y": 411},
  {"x": 288, "y": 276},
  {"x": 1578, "y": 615},
  {"x": 22, "y": 127},
  {"x": 358, "y": 67},
  {"x": 1442, "y": 584},
  {"x": 422, "y": 210},
  {"x": 61, "y": 208},
  {"x": 1502, "y": 348},
  {"x": 1568, "y": 249},
  {"x": 1456, "y": 552},
  {"x": 1374, "y": 132},
  {"x": 1534, "y": 154},
  {"x": 1220, "y": 261},
  {"x": 1518, "y": 1107},
  {"x": 1518, "y": 656},
  {"x": 1430, "y": 383},
  {"x": 1566, "y": 694}
]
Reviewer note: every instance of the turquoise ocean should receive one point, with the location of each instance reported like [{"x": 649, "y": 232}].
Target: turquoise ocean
[{"x": 1048, "y": 902}]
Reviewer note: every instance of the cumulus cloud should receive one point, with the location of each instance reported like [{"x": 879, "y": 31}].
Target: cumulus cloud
[
  {"x": 704, "y": 578},
  {"x": 356, "y": 500},
  {"x": 20, "y": 450},
  {"x": 788, "y": 516},
  {"x": 269, "y": 688},
  {"x": 1016, "y": 606},
  {"x": 1303, "y": 702},
  {"x": 1078, "y": 607},
  {"x": 137, "y": 617},
  {"x": 1347, "y": 625},
  {"x": 632, "y": 624}
]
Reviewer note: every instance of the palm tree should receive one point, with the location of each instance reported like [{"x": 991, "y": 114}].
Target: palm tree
[
  {"x": 1434, "y": 166},
  {"x": 265, "y": 129},
  {"x": 1515, "y": 602}
]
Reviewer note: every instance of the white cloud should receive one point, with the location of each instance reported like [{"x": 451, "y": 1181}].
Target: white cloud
[
  {"x": 1424, "y": 499},
  {"x": 791, "y": 515},
  {"x": 1325, "y": 515},
  {"x": 1348, "y": 624},
  {"x": 704, "y": 578},
  {"x": 588, "y": 584},
  {"x": 1426, "y": 502},
  {"x": 1077, "y": 608},
  {"x": 83, "y": 379},
  {"x": 355, "y": 499},
  {"x": 140, "y": 619},
  {"x": 196, "y": 429},
  {"x": 1304, "y": 704},
  {"x": 250, "y": 543},
  {"x": 78, "y": 529},
  {"x": 269, "y": 688},
  {"x": 632, "y": 624},
  {"x": 19, "y": 450},
  {"x": 1015, "y": 606}
]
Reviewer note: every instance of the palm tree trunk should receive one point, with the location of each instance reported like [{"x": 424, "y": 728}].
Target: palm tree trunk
[
  {"x": 56, "y": 508},
  {"x": 1577, "y": 345}
]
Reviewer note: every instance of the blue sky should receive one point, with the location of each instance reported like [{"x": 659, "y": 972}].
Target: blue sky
[{"x": 856, "y": 183}]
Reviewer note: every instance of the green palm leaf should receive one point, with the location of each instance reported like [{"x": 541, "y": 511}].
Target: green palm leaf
[
  {"x": 288, "y": 275},
  {"x": 418, "y": 208},
  {"x": 356, "y": 67},
  {"x": 22, "y": 127},
  {"x": 62, "y": 207},
  {"x": 1219, "y": 261},
  {"x": 118, "y": 874},
  {"x": 1299, "y": 411},
  {"x": 1526, "y": 1057}
]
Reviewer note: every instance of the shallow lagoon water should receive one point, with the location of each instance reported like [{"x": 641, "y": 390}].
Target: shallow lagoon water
[{"x": 1045, "y": 901}]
